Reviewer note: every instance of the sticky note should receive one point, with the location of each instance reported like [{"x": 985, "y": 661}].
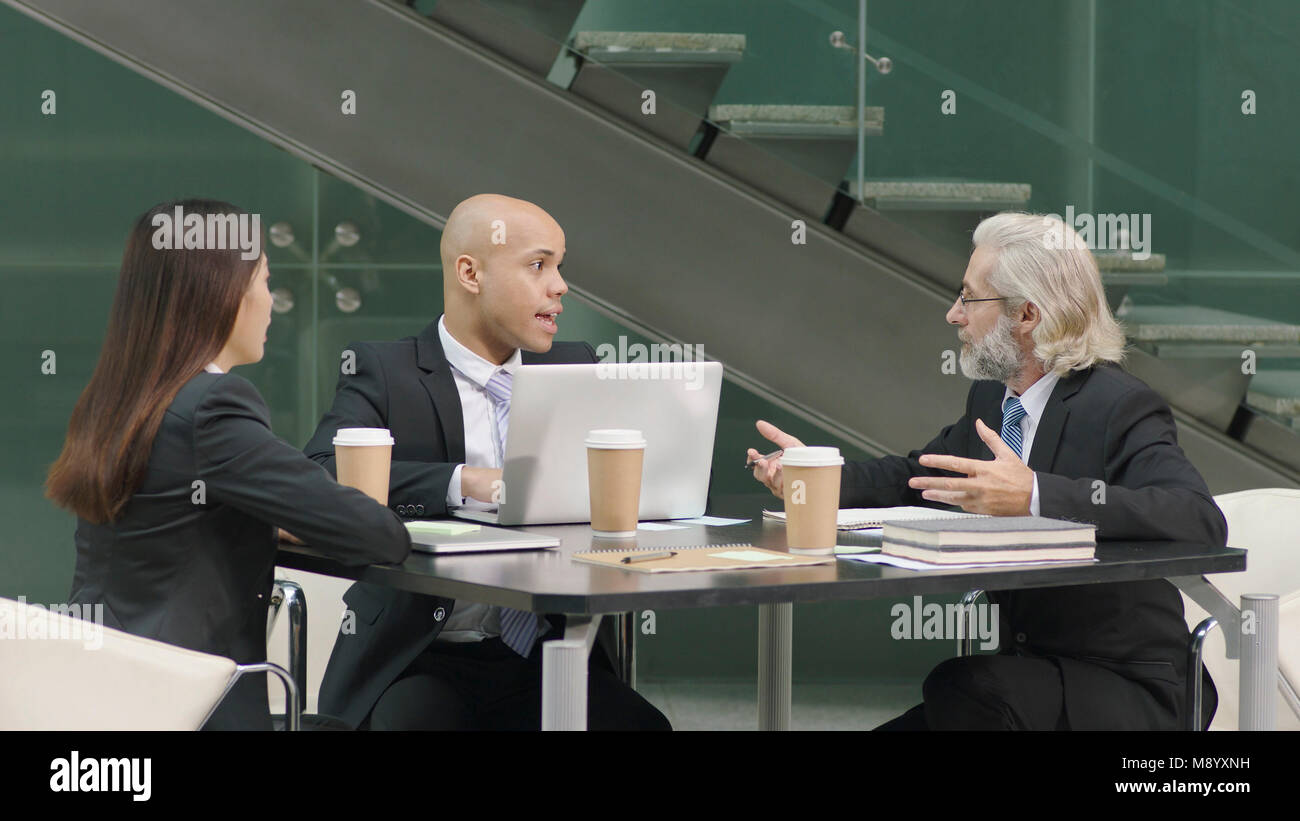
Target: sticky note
[
  {"x": 443, "y": 528},
  {"x": 747, "y": 556}
]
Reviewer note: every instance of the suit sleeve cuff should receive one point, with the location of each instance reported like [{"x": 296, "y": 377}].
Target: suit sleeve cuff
[
  {"x": 455, "y": 499},
  {"x": 1033, "y": 500}
]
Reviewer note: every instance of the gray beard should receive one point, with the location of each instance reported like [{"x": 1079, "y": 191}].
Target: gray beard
[{"x": 995, "y": 357}]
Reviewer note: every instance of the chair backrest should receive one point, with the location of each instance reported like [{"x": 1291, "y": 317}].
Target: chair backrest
[
  {"x": 59, "y": 672},
  {"x": 324, "y": 596},
  {"x": 1266, "y": 522}
]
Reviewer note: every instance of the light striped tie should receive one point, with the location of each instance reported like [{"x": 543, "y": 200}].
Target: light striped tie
[
  {"x": 1012, "y": 413},
  {"x": 519, "y": 628}
]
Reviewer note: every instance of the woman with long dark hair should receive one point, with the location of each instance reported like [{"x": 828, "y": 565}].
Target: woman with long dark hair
[{"x": 171, "y": 467}]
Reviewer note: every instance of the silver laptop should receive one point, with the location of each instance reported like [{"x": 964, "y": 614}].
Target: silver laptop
[
  {"x": 674, "y": 404},
  {"x": 436, "y": 537}
]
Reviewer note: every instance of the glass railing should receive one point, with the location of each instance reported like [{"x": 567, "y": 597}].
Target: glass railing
[{"x": 1157, "y": 129}]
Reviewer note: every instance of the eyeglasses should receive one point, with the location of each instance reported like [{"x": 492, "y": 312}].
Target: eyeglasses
[{"x": 965, "y": 301}]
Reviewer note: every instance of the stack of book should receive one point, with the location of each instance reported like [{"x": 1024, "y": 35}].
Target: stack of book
[{"x": 990, "y": 540}]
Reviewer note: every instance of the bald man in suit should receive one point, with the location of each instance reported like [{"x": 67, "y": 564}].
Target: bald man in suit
[{"x": 423, "y": 662}]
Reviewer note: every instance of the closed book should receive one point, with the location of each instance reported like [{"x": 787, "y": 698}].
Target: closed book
[
  {"x": 990, "y": 539},
  {"x": 864, "y": 518}
]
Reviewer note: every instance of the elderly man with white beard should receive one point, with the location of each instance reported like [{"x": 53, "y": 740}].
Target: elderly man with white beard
[{"x": 1053, "y": 426}]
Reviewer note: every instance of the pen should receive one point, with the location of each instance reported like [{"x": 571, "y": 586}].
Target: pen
[
  {"x": 750, "y": 465},
  {"x": 645, "y": 557}
]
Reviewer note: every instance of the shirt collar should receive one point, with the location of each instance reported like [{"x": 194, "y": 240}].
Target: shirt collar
[
  {"x": 1035, "y": 397},
  {"x": 212, "y": 367},
  {"x": 474, "y": 367}
]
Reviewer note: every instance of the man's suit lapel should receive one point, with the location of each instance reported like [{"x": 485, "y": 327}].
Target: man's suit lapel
[
  {"x": 1048, "y": 434},
  {"x": 441, "y": 385},
  {"x": 988, "y": 408}
]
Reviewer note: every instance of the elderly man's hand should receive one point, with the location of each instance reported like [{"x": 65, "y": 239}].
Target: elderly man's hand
[
  {"x": 1003, "y": 486},
  {"x": 768, "y": 471}
]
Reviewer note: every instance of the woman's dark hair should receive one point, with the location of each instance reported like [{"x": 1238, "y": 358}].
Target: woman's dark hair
[{"x": 172, "y": 314}]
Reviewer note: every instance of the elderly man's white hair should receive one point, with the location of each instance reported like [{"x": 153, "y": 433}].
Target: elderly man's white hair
[{"x": 1042, "y": 260}]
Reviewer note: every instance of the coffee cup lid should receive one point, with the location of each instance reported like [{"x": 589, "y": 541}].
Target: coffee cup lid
[
  {"x": 615, "y": 439},
  {"x": 811, "y": 457},
  {"x": 362, "y": 437}
]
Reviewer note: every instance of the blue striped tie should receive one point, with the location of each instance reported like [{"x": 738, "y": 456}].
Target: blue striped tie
[
  {"x": 1012, "y": 413},
  {"x": 519, "y": 628}
]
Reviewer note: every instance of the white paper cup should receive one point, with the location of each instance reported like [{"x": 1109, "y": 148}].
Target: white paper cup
[
  {"x": 363, "y": 457},
  {"x": 811, "y": 485},
  {"x": 614, "y": 461}
]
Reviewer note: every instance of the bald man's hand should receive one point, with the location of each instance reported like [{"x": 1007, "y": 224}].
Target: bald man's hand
[
  {"x": 768, "y": 471},
  {"x": 483, "y": 484}
]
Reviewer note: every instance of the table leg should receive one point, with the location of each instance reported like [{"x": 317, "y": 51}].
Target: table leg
[
  {"x": 564, "y": 674},
  {"x": 1258, "y": 671},
  {"x": 625, "y": 648},
  {"x": 775, "y": 639}
]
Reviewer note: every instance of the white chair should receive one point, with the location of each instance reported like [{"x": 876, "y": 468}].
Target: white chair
[
  {"x": 1265, "y": 522},
  {"x": 322, "y": 623},
  {"x": 58, "y": 672}
]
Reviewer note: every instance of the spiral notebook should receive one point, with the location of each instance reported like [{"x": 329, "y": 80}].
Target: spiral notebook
[
  {"x": 861, "y": 518},
  {"x": 700, "y": 557}
]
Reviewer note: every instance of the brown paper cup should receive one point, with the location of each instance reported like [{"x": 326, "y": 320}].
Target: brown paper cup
[
  {"x": 614, "y": 460},
  {"x": 362, "y": 459},
  {"x": 811, "y": 483}
]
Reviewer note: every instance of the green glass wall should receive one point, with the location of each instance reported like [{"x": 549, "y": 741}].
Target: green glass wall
[
  {"x": 71, "y": 182},
  {"x": 1106, "y": 105}
]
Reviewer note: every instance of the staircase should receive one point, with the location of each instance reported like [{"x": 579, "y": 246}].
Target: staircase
[{"x": 675, "y": 225}]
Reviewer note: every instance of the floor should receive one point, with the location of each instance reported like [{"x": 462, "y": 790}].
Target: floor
[{"x": 714, "y": 705}]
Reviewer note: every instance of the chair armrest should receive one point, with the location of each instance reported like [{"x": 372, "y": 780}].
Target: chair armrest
[{"x": 292, "y": 706}]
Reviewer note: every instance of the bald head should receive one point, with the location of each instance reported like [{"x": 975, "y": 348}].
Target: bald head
[
  {"x": 501, "y": 283},
  {"x": 483, "y": 224}
]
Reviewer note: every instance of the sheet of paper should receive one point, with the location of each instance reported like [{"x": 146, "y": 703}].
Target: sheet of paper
[
  {"x": 853, "y": 515},
  {"x": 658, "y": 526},
  {"x": 711, "y": 521},
  {"x": 912, "y": 564},
  {"x": 847, "y": 549},
  {"x": 747, "y": 556},
  {"x": 443, "y": 528}
]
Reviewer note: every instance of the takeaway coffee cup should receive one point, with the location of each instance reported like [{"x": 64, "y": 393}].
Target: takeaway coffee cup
[
  {"x": 614, "y": 459},
  {"x": 362, "y": 457},
  {"x": 811, "y": 482}
]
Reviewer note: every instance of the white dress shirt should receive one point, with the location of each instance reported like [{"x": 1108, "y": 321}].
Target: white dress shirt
[
  {"x": 1033, "y": 400},
  {"x": 212, "y": 367},
  {"x": 472, "y": 621}
]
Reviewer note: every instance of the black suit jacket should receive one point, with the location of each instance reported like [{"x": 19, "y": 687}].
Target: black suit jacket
[
  {"x": 1099, "y": 424},
  {"x": 406, "y": 386},
  {"x": 190, "y": 560}
]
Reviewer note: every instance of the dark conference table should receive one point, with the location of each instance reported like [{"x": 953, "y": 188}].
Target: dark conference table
[{"x": 548, "y": 581}]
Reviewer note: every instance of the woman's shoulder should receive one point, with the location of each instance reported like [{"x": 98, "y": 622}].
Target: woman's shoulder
[{"x": 206, "y": 393}]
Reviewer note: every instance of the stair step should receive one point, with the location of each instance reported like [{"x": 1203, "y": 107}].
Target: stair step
[
  {"x": 1277, "y": 392},
  {"x": 1195, "y": 323},
  {"x": 1124, "y": 261},
  {"x": 817, "y": 142},
  {"x": 808, "y": 121},
  {"x": 683, "y": 69},
  {"x": 660, "y": 46},
  {"x": 527, "y": 32},
  {"x": 944, "y": 195},
  {"x": 1130, "y": 278}
]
